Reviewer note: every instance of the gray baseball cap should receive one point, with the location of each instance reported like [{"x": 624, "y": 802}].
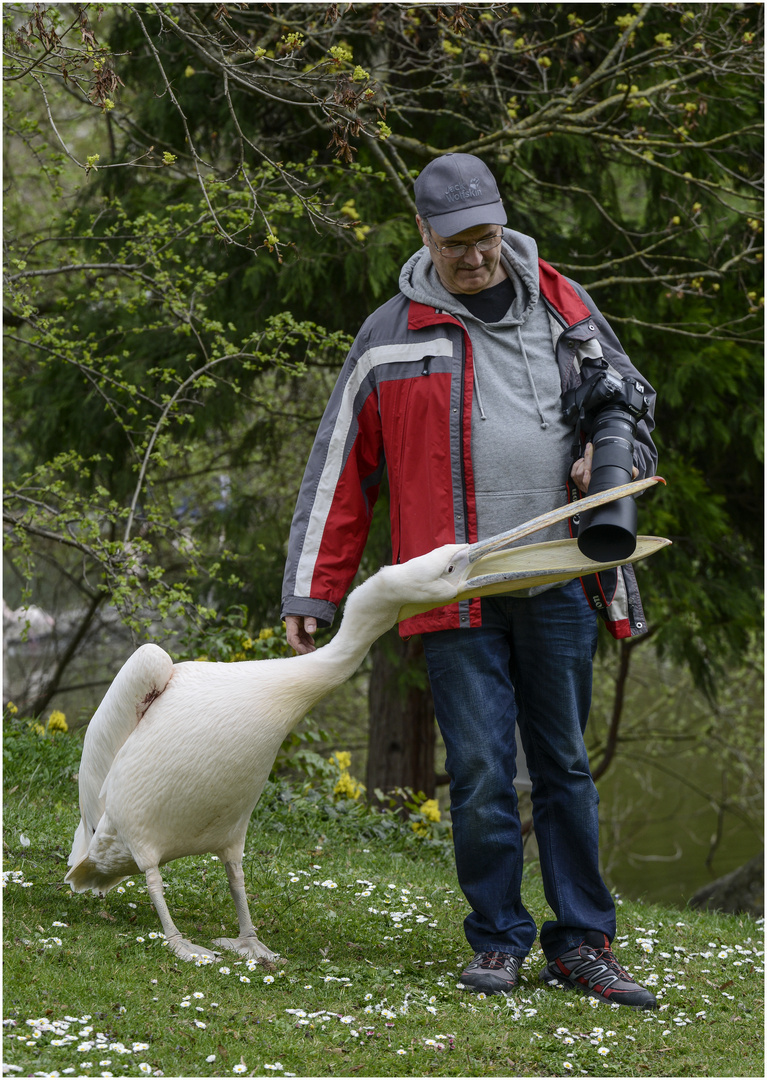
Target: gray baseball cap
[{"x": 456, "y": 192}]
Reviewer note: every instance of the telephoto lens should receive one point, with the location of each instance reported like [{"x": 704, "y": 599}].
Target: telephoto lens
[
  {"x": 606, "y": 408},
  {"x": 610, "y": 531}
]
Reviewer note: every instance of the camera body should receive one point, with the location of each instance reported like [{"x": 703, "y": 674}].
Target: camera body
[{"x": 607, "y": 408}]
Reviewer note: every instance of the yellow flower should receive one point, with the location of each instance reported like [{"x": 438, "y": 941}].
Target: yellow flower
[
  {"x": 348, "y": 787},
  {"x": 430, "y": 810},
  {"x": 340, "y": 53},
  {"x": 343, "y": 759},
  {"x": 11, "y": 708},
  {"x": 38, "y": 729},
  {"x": 57, "y": 721}
]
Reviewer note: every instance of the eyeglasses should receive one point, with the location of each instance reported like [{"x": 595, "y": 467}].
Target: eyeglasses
[{"x": 455, "y": 251}]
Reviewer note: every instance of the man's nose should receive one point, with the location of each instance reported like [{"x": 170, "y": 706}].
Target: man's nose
[{"x": 473, "y": 256}]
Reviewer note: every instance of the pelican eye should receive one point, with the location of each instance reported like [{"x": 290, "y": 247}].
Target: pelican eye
[{"x": 450, "y": 568}]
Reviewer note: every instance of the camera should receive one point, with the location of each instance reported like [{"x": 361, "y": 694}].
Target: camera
[{"x": 607, "y": 407}]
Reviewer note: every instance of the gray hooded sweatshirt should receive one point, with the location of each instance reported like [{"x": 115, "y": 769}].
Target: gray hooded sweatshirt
[{"x": 520, "y": 445}]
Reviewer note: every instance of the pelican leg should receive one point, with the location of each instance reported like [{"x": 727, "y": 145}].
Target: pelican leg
[
  {"x": 184, "y": 949},
  {"x": 247, "y": 944}
]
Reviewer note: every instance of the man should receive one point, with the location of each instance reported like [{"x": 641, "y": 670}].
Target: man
[{"x": 455, "y": 385}]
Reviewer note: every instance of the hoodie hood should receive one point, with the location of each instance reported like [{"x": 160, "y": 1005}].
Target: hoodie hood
[{"x": 420, "y": 281}]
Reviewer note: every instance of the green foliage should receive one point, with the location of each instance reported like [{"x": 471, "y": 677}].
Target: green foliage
[{"x": 227, "y": 640}]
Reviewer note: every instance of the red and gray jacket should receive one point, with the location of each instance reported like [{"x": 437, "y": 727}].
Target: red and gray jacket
[{"x": 403, "y": 401}]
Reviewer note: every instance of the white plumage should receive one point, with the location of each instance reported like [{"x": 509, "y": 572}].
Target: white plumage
[{"x": 176, "y": 756}]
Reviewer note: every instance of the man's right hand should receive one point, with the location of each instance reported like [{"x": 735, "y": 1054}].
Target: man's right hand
[{"x": 300, "y": 632}]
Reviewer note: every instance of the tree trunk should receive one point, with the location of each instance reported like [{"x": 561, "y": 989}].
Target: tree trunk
[{"x": 402, "y": 730}]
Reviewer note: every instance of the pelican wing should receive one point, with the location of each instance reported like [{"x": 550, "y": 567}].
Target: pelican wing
[{"x": 143, "y": 676}]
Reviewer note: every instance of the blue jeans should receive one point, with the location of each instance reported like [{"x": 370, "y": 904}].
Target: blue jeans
[{"x": 530, "y": 663}]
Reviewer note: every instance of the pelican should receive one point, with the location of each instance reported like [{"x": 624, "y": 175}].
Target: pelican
[{"x": 176, "y": 755}]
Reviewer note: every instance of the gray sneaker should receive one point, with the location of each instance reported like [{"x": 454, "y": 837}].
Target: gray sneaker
[
  {"x": 595, "y": 972},
  {"x": 492, "y": 973}
]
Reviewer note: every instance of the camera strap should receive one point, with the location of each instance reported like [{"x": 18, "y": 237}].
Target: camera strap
[{"x": 577, "y": 447}]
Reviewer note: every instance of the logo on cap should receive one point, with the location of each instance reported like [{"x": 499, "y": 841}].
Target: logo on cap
[{"x": 461, "y": 191}]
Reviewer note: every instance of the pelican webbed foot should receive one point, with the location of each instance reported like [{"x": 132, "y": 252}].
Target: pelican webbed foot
[
  {"x": 187, "y": 950},
  {"x": 247, "y": 945}
]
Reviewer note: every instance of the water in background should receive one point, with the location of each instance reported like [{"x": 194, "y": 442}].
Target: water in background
[
  {"x": 663, "y": 834},
  {"x": 659, "y": 849}
]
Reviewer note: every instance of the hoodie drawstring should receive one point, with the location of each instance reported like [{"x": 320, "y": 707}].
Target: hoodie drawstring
[
  {"x": 477, "y": 394},
  {"x": 544, "y": 423}
]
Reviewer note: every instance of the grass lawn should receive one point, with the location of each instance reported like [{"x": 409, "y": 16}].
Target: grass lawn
[{"x": 367, "y": 916}]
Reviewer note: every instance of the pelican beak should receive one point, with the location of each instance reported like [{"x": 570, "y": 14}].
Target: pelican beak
[
  {"x": 494, "y": 566},
  {"x": 504, "y": 540},
  {"x": 531, "y": 565}
]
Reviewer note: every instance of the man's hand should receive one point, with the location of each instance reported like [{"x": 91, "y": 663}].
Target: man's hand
[
  {"x": 300, "y": 632},
  {"x": 581, "y": 470}
]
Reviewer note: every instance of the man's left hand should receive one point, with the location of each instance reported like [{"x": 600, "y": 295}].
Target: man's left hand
[{"x": 581, "y": 470}]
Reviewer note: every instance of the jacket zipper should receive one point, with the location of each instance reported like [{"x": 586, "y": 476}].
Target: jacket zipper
[{"x": 461, "y": 425}]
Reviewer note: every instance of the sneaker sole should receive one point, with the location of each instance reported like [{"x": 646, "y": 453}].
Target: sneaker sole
[
  {"x": 504, "y": 988},
  {"x": 485, "y": 990},
  {"x": 565, "y": 984}
]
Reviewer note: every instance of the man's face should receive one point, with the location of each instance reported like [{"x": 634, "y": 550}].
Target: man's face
[{"x": 473, "y": 271}]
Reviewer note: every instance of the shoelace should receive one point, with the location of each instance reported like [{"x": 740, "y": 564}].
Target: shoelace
[
  {"x": 494, "y": 960},
  {"x": 609, "y": 958}
]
